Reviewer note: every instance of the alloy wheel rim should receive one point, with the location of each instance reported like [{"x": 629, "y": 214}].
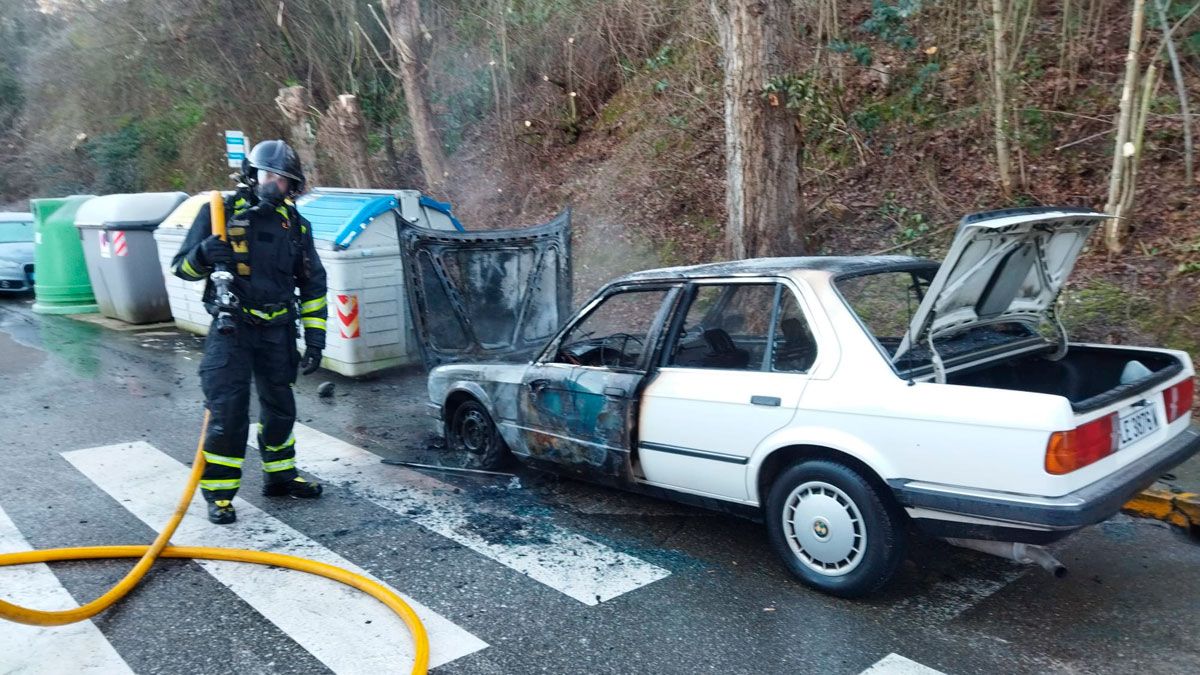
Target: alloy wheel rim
[{"x": 824, "y": 528}]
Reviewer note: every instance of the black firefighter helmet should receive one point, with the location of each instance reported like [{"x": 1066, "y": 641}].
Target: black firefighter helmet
[{"x": 277, "y": 157}]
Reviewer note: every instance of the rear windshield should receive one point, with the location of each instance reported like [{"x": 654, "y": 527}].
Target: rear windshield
[
  {"x": 885, "y": 303},
  {"x": 15, "y": 231}
]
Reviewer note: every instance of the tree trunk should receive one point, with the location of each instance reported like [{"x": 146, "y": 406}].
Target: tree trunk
[
  {"x": 406, "y": 33},
  {"x": 999, "y": 96},
  {"x": 1180, "y": 89},
  {"x": 299, "y": 113},
  {"x": 344, "y": 138},
  {"x": 1112, "y": 229},
  {"x": 1150, "y": 83},
  {"x": 389, "y": 146},
  {"x": 762, "y": 149}
]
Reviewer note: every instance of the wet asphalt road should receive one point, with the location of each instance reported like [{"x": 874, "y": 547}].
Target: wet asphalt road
[{"x": 1130, "y": 603}]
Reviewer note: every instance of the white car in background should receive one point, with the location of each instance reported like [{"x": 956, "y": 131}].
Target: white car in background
[
  {"x": 844, "y": 400},
  {"x": 16, "y": 252}
]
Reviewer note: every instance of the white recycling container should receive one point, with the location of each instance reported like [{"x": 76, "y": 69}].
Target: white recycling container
[
  {"x": 184, "y": 297},
  {"x": 355, "y": 234}
]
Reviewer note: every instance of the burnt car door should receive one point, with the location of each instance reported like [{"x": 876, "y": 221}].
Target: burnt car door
[
  {"x": 578, "y": 401},
  {"x": 483, "y": 295}
]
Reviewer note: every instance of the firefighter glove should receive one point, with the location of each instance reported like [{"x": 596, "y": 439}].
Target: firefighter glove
[
  {"x": 310, "y": 361},
  {"x": 215, "y": 252}
]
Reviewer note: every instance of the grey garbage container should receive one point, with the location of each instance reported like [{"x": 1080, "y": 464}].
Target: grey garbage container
[{"x": 117, "y": 232}]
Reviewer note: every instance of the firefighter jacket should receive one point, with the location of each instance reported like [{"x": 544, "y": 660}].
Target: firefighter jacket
[{"x": 274, "y": 255}]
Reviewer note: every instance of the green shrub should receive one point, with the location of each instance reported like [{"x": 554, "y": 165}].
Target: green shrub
[{"x": 116, "y": 157}]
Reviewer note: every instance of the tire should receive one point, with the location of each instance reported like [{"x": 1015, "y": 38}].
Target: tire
[
  {"x": 834, "y": 530},
  {"x": 472, "y": 436}
]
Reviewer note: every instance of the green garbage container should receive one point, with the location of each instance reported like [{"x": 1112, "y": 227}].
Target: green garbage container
[{"x": 62, "y": 279}]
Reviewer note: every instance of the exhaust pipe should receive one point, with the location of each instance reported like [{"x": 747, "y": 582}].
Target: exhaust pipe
[{"x": 1029, "y": 554}]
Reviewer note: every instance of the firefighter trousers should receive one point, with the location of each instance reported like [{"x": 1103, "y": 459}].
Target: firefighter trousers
[{"x": 269, "y": 354}]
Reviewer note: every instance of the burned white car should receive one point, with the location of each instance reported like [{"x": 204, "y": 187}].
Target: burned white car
[{"x": 845, "y": 400}]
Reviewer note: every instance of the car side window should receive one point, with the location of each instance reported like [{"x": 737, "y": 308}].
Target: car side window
[
  {"x": 885, "y": 303},
  {"x": 727, "y": 326},
  {"x": 616, "y": 333},
  {"x": 793, "y": 348}
]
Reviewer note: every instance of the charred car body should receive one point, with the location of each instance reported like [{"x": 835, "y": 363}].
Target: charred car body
[{"x": 845, "y": 399}]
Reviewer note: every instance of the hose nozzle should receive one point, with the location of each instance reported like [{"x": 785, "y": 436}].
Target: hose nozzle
[{"x": 226, "y": 301}]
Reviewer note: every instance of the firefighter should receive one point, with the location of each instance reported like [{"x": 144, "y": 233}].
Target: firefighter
[{"x": 269, "y": 251}]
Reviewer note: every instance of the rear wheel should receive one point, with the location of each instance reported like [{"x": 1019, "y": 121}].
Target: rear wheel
[
  {"x": 833, "y": 529},
  {"x": 472, "y": 436}
]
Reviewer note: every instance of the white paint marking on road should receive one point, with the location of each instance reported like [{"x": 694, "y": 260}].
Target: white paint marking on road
[
  {"x": 949, "y": 598},
  {"x": 26, "y": 650},
  {"x": 345, "y": 629},
  {"x": 894, "y": 664},
  {"x": 568, "y": 562}
]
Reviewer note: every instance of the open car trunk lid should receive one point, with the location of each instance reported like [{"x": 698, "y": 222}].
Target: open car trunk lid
[
  {"x": 487, "y": 294},
  {"x": 1003, "y": 266}
]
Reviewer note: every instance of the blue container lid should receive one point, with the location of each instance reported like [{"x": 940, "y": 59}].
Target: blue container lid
[
  {"x": 443, "y": 207},
  {"x": 341, "y": 217}
]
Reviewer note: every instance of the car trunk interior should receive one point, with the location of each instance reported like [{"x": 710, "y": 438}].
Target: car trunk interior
[{"x": 1089, "y": 377}]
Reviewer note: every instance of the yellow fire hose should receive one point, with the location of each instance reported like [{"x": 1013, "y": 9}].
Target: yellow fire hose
[{"x": 161, "y": 549}]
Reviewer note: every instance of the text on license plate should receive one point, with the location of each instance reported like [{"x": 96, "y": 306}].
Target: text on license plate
[{"x": 1137, "y": 423}]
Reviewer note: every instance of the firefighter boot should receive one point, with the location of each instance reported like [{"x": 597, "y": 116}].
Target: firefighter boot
[
  {"x": 297, "y": 488},
  {"x": 221, "y": 512}
]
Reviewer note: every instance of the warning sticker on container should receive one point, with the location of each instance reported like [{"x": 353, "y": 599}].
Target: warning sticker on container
[
  {"x": 347, "y": 311},
  {"x": 112, "y": 243}
]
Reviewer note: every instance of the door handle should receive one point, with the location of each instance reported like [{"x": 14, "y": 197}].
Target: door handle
[
  {"x": 772, "y": 401},
  {"x": 614, "y": 392}
]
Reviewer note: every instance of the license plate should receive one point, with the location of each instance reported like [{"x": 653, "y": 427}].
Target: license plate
[{"x": 1137, "y": 423}]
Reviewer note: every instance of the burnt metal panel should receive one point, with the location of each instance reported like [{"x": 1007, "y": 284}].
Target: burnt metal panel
[
  {"x": 837, "y": 265},
  {"x": 578, "y": 419},
  {"x": 487, "y": 295}
]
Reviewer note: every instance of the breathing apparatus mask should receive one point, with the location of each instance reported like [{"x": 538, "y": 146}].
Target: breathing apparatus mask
[{"x": 271, "y": 188}]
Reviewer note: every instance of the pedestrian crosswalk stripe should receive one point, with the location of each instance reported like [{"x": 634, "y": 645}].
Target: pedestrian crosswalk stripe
[
  {"x": 894, "y": 664},
  {"x": 583, "y": 569},
  {"x": 33, "y": 650},
  {"x": 347, "y": 631},
  {"x": 951, "y": 597}
]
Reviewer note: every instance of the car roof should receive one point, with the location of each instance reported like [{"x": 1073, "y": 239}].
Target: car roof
[{"x": 834, "y": 265}]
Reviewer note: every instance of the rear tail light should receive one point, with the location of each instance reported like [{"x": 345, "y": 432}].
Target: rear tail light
[
  {"x": 1079, "y": 447},
  {"x": 1178, "y": 399},
  {"x": 1070, "y": 450}
]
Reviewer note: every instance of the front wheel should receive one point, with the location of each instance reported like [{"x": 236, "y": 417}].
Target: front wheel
[
  {"x": 472, "y": 435},
  {"x": 833, "y": 529}
]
